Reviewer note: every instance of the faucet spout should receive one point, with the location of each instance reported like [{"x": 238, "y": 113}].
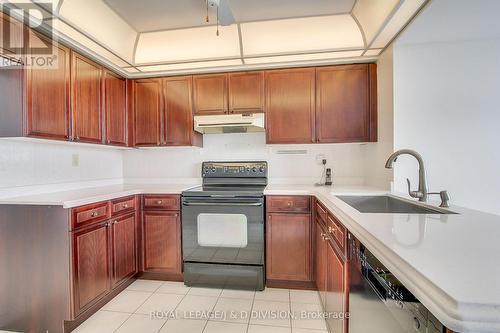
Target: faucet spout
[{"x": 422, "y": 192}]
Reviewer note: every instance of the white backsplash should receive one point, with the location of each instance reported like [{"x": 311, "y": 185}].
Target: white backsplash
[
  {"x": 287, "y": 163},
  {"x": 34, "y": 162}
]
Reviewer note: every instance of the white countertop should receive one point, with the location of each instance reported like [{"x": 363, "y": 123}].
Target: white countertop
[
  {"x": 84, "y": 196},
  {"x": 447, "y": 261}
]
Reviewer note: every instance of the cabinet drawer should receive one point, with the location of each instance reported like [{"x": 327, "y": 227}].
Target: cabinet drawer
[
  {"x": 165, "y": 202},
  {"x": 321, "y": 212},
  {"x": 278, "y": 203},
  {"x": 338, "y": 232},
  {"x": 90, "y": 214},
  {"x": 123, "y": 205}
]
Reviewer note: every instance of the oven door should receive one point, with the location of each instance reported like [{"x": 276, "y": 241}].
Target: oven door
[{"x": 223, "y": 230}]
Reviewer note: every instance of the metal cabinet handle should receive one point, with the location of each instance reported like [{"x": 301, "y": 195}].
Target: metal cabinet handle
[
  {"x": 93, "y": 214},
  {"x": 159, "y": 202},
  {"x": 289, "y": 204},
  {"x": 125, "y": 206}
]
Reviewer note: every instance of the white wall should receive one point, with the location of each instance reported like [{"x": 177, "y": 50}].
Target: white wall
[
  {"x": 25, "y": 163},
  {"x": 446, "y": 93},
  {"x": 347, "y": 160},
  {"x": 377, "y": 153}
]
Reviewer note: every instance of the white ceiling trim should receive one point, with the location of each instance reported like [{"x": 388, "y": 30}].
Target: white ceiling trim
[{"x": 104, "y": 34}]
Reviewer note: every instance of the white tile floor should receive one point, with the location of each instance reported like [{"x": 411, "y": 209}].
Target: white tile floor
[{"x": 170, "y": 307}]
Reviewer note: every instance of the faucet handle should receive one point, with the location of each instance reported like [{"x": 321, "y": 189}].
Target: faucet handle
[{"x": 413, "y": 194}]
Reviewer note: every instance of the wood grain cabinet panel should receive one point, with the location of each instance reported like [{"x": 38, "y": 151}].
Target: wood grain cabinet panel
[
  {"x": 321, "y": 244},
  {"x": 11, "y": 41},
  {"x": 345, "y": 110},
  {"x": 123, "y": 205},
  {"x": 178, "y": 120},
  {"x": 336, "y": 291},
  {"x": 162, "y": 242},
  {"x": 91, "y": 266},
  {"x": 288, "y": 236},
  {"x": 290, "y": 106},
  {"x": 48, "y": 97},
  {"x": 148, "y": 108},
  {"x": 288, "y": 203},
  {"x": 123, "y": 255},
  {"x": 163, "y": 202},
  {"x": 86, "y": 99},
  {"x": 210, "y": 94},
  {"x": 115, "y": 106},
  {"x": 89, "y": 214},
  {"x": 246, "y": 92}
]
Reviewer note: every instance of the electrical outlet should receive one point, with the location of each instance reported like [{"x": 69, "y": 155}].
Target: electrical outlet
[
  {"x": 320, "y": 158},
  {"x": 75, "y": 160}
]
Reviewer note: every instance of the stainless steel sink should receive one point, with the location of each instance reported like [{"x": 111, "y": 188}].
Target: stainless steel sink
[{"x": 387, "y": 204}]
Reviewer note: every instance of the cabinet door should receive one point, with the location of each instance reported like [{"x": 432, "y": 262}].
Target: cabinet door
[
  {"x": 90, "y": 266},
  {"x": 115, "y": 104},
  {"x": 246, "y": 92},
  {"x": 335, "y": 289},
  {"x": 344, "y": 109},
  {"x": 178, "y": 120},
  {"x": 47, "y": 97},
  {"x": 162, "y": 242},
  {"x": 11, "y": 40},
  {"x": 288, "y": 236},
  {"x": 320, "y": 261},
  {"x": 123, "y": 240},
  {"x": 148, "y": 108},
  {"x": 86, "y": 99},
  {"x": 290, "y": 106},
  {"x": 210, "y": 94}
]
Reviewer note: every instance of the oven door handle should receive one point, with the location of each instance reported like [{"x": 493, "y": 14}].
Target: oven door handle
[{"x": 252, "y": 204}]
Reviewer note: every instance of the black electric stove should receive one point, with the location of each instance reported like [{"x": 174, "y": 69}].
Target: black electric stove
[{"x": 223, "y": 226}]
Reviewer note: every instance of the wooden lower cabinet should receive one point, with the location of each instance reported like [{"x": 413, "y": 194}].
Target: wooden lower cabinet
[
  {"x": 320, "y": 268},
  {"x": 123, "y": 244},
  {"x": 91, "y": 271},
  {"x": 336, "y": 289},
  {"x": 162, "y": 242},
  {"x": 104, "y": 258},
  {"x": 288, "y": 248}
]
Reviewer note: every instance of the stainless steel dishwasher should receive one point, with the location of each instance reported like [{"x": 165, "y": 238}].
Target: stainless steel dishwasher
[{"x": 378, "y": 302}]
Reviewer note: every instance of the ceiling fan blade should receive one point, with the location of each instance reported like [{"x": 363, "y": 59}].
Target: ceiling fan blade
[{"x": 225, "y": 14}]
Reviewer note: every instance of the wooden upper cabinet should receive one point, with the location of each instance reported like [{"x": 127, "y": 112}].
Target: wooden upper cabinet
[
  {"x": 48, "y": 97},
  {"x": 13, "y": 44},
  {"x": 288, "y": 236},
  {"x": 115, "y": 106},
  {"x": 210, "y": 94},
  {"x": 148, "y": 108},
  {"x": 86, "y": 84},
  {"x": 346, "y": 108},
  {"x": 246, "y": 92},
  {"x": 290, "y": 106},
  {"x": 178, "y": 120}
]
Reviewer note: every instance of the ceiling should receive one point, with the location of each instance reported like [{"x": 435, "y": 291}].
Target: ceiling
[
  {"x": 170, "y": 37},
  {"x": 153, "y": 15}
]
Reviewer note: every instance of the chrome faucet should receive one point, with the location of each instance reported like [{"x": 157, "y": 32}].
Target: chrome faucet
[{"x": 422, "y": 191}]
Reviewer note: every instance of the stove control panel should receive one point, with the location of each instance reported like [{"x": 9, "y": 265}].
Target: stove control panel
[{"x": 234, "y": 169}]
